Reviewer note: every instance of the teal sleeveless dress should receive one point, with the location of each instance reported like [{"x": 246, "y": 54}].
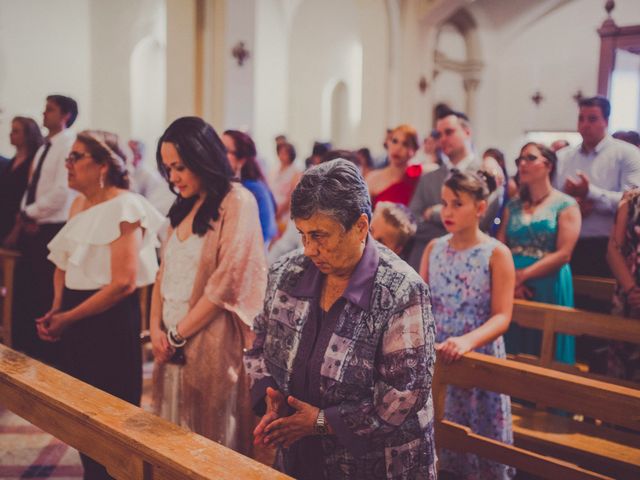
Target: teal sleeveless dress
[{"x": 530, "y": 237}]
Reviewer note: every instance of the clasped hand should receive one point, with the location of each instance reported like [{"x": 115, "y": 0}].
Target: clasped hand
[
  {"x": 277, "y": 429},
  {"x": 521, "y": 290},
  {"x": 453, "y": 348},
  {"x": 579, "y": 189},
  {"x": 51, "y": 325},
  {"x": 162, "y": 351}
]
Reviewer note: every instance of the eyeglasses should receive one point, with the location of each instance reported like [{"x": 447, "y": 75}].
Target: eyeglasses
[
  {"x": 75, "y": 157},
  {"x": 529, "y": 158}
]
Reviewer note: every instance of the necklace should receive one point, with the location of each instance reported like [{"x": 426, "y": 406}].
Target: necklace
[{"x": 535, "y": 203}]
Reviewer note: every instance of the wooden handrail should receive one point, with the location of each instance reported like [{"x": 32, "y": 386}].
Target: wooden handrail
[
  {"x": 598, "y": 288},
  {"x": 576, "y": 322},
  {"x": 613, "y": 404},
  {"x": 553, "y": 319},
  {"x": 131, "y": 443},
  {"x": 555, "y": 389}
]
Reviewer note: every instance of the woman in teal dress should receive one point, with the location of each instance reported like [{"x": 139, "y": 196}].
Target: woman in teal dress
[{"x": 541, "y": 228}]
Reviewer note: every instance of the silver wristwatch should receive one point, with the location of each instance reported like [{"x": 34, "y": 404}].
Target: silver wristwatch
[{"x": 320, "y": 427}]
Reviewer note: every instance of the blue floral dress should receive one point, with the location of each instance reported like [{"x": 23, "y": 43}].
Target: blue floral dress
[
  {"x": 530, "y": 237},
  {"x": 460, "y": 283},
  {"x": 623, "y": 359}
]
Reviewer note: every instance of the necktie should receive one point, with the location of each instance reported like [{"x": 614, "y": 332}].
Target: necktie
[{"x": 33, "y": 184}]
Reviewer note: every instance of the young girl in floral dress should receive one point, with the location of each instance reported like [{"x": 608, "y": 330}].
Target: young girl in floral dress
[{"x": 471, "y": 277}]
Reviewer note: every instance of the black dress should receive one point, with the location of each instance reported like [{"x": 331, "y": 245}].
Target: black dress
[
  {"x": 13, "y": 183},
  {"x": 104, "y": 351}
]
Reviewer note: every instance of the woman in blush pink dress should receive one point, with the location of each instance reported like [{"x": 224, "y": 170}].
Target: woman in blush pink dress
[{"x": 211, "y": 284}]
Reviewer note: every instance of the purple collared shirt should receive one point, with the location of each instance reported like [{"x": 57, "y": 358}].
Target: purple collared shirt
[
  {"x": 367, "y": 363},
  {"x": 316, "y": 334}
]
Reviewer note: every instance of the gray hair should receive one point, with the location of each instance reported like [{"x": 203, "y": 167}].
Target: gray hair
[{"x": 335, "y": 189}]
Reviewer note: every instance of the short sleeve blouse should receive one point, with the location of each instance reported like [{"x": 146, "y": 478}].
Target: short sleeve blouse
[{"x": 82, "y": 247}]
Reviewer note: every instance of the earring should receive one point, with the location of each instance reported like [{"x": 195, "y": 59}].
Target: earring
[{"x": 102, "y": 181}]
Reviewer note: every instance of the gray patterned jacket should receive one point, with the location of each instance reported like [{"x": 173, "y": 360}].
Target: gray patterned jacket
[{"x": 375, "y": 379}]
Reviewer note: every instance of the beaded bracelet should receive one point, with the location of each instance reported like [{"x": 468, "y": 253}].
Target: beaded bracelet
[{"x": 175, "y": 339}]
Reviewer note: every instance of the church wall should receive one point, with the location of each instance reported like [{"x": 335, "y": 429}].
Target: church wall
[
  {"x": 300, "y": 50},
  {"x": 116, "y": 28},
  {"x": 331, "y": 28},
  {"x": 377, "y": 68},
  {"x": 558, "y": 55},
  {"x": 181, "y": 39},
  {"x": 44, "y": 48},
  {"x": 271, "y": 72},
  {"x": 80, "y": 48},
  {"x": 239, "y": 80}
]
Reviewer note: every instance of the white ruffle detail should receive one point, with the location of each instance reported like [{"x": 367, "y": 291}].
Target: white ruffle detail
[{"x": 82, "y": 247}]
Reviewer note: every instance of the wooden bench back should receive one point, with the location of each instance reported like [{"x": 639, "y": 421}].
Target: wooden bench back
[
  {"x": 613, "y": 404},
  {"x": 131, "y": 443},
  {"x": 598, "y": 288},
  {"x": 8, "y": 260},
  {"x": 552, "y": 319}
]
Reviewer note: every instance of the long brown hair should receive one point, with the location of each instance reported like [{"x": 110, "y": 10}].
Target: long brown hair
[
  {"x": 550, "y": 156},
  {"x": 32, "y": 134},
  {"x": 245, "y": 149}
]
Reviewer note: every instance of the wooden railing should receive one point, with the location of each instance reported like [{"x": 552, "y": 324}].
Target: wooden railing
[
  {"x": 598, "y": 288},
  {"x": 131, "y": 443},
  {"x": 554, "y": 319},
  {"x": 8, "y": 260},
  {"x": 558, "y": 449}
]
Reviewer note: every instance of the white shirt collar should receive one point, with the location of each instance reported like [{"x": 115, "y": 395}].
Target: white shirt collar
[
  {"x": 601, "y": 144},
  {"x": 462, "y": 164}
]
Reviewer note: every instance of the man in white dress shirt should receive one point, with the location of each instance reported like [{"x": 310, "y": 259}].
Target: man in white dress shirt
[
  {"x": 45, "y": 208},
  {"x": 596, "y": 173}
]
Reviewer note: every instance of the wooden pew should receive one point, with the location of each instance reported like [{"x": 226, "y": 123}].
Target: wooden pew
[
  {"x": 579, "y": 452},
  {"x": 131, "y": 443},
  {"x": 598, "y": 288},
  {"x": 552, "y": 319},
  {"x": 8, "y": 260}
]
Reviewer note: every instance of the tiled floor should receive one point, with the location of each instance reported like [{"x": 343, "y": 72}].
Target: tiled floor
[{"x": 28, "y": 452}]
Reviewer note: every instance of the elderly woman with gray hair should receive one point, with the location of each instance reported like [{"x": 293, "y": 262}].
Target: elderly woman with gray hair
[{"x": 342, "y": 363}]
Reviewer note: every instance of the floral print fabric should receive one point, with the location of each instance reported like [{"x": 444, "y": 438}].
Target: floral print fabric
[
  {"x": 623, "y": 359},
  {"x": 460, "y": 282}
]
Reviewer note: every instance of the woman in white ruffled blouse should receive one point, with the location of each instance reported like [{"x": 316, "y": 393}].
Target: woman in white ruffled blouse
[{"x": 104, "y": 252}]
